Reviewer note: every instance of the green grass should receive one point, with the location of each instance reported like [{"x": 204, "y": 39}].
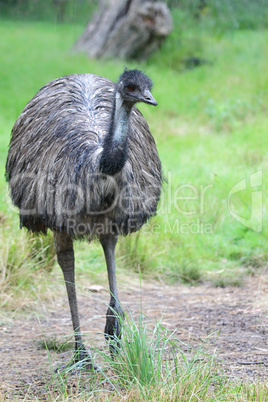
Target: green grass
[
  {"x": 55, "y": 344},
  {"x": 152, "y": 365},
  {"x": 24, "y": 261},
  {"x": 210, "y": 128}
]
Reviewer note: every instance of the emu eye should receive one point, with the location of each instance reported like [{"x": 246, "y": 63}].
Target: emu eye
[{"x": 131, "y": 88}]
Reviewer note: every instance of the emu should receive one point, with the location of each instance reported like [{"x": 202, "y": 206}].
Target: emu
[{"x": 83, "y": 163}]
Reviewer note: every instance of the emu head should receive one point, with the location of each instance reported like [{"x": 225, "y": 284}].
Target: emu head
[{"x": 134, "y": 86}]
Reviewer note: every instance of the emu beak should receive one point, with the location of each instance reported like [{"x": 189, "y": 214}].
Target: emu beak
[{"x": 148, "y": 98}]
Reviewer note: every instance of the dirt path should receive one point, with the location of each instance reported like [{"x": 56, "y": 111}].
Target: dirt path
[{"x": 236, "y": 318}]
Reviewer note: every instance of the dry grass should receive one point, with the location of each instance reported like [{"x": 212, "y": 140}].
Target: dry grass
[{"x": 24, "y": 263}]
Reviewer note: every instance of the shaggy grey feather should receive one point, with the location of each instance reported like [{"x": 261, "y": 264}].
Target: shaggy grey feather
[{"x": 53, "y": 162}]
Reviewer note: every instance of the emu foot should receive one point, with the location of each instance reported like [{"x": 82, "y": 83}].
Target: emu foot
[
  {"x": 113, "y": 328},
  {"x": 81, "y": 361}
]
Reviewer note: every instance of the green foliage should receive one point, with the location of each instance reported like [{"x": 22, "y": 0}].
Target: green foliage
[
  {"x": 242, "y": 14},
  {"x": 217, "y": 15},
  {"x": 224, "y": 15},
  {"x": 196, "y": 22},
  {"x": 23, "y": 257},
  {"x": 75, "y": 11}
]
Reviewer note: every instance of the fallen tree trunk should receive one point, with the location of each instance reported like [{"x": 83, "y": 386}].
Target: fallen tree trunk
[{"x": 128, "y": 29}]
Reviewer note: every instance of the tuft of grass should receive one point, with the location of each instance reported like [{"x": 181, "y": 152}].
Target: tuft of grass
[
  {"x": 55, "y": 344},
  {"x": 224, "y": 280},
  {"x": 154, "y": 361},
  {"x": 256, "y": 261},
  {"x": 24, "y": 257},
  {"x": 153, "y": 365},
  {"x": 189, "y": 272}
]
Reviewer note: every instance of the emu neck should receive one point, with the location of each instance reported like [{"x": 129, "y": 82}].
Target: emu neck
[
  {"x": 114, "y": 154},
  {"x": 120, "y": 120}
]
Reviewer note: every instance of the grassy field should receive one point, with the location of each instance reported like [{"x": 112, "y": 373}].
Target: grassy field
[
  {"x": 211, "y": 131},
  {"x": 210, "y": 128}
]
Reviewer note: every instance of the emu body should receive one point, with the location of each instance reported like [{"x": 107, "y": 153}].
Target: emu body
[{"x": 83, "y": 163}]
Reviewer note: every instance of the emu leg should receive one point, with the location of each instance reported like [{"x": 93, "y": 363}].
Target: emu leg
[
  {"x": 65, "y": 255},
  {"x": 114, "y": 314}
]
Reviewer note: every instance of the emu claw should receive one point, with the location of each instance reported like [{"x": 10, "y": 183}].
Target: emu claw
[{"x": 113, "y": 328}]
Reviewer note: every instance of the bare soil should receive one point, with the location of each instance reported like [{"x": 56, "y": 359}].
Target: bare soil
[{"x": 234, "y": 318}]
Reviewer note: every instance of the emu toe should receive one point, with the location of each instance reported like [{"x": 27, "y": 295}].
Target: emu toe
[{"x": 113, "y": 328}]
